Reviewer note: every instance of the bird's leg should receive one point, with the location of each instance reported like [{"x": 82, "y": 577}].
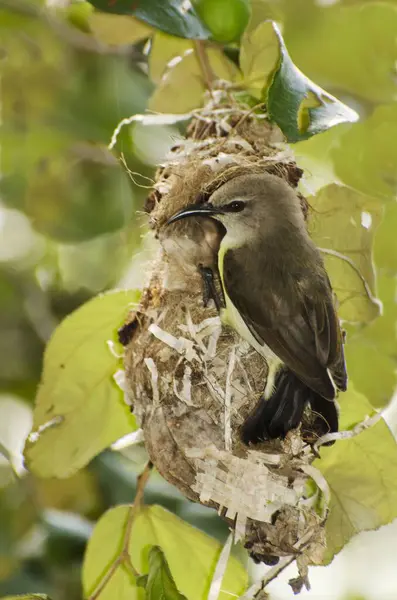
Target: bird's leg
[{"x": 210, "y": 288}]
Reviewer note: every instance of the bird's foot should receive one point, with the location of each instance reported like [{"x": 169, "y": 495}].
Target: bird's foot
[{"x": 210, "y": 291}]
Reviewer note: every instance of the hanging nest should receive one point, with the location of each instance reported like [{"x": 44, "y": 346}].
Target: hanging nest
[{"x": 193, "y": 382}]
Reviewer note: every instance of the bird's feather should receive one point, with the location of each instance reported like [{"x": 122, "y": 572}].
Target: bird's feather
[
  {"x": 296, "y": 318},
  {"x": 284, "y": 410}
]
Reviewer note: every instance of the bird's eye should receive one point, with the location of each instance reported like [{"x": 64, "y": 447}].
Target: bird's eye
[{"x": 236, "y": 206}]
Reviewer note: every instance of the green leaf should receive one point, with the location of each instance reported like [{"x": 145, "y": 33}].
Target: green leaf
[
  {"x": 361, "y": 473},
  {"x": 79, "y": 409},
  {"x": 171, "y": 16},
  {"x": 186, "y": 75},
  {"x": 366, "y": 157},
  {"x": 191, "y": 554},
  {"x": 344, "y": 221},
  {"x": 260, "y": 57},
  {"x": 298, "y": 106},
  {"x": 160, "y": 584}
]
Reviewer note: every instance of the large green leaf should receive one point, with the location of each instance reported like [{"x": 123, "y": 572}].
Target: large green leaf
[
  {"x": 367, "y": 155},
  {"x": 338, "y": 225},
  {"x": 172, "y": 16},
  {"x": 191, "y": 555},
  {"x": 298, "y": 106},
  {"x": 79, "y": 409},
  {"x": 361, "y": 473}
]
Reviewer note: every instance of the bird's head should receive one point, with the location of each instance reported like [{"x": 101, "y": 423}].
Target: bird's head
[{"x": 247, "y": 203}]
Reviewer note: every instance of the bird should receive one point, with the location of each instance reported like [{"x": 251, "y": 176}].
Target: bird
[{"x": 278, "y": 297}]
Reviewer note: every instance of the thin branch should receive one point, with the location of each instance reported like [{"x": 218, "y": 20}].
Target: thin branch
[
  {"x": 274, "y": 572},
  {"x": 105, "y": 579},
  {"x": 344, "y": 435},
  {"x": 205, "y": 66},
  {"x": 124, "y": 558},
  {"x": 245, "y": 116},
  {"x": 134, "y": 509}
]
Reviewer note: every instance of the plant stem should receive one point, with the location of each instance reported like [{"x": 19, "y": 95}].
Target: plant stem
[
  {"x": 105, "y": 579},
  {"x": 141, "y": 484},
  {"x": 123, "y": 557},
  {"x": 206, "y": 69}
]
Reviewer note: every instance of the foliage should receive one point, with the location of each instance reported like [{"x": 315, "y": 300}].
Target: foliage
[
  {"x": 190, "y": 554},
  {"x": 78, "y": 390},
  {"x": 363, "y": 498},
  {"x": 298, "y": 106},
  {"x": 68, "y": 207}
]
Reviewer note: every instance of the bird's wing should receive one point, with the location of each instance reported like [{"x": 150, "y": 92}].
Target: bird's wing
[{"x": 304, "y": 333}]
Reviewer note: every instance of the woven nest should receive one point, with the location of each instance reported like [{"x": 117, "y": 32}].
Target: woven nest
[{"x": 192, "y": 382}]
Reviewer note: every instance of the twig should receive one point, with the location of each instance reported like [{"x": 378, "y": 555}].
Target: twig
[
  {"x": 142, "y": 481},
  {"x": 274, "y": 572},
  {"x": 344, "y": 435},
  {"x": 206, "y": 69},
  {"x": 240, "y": 122},
  {"x": 132, "y": 173},
  {"x": 106, "y": 578},
  {"x": 124, "y": 558}
]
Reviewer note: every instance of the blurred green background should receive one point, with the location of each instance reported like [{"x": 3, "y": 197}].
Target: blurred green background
[{"x": 72, "y": 226}]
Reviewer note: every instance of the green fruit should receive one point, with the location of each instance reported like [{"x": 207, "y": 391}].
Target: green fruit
[
  {"x": 78, "y": 15},
  {"x": 226, "y": 19}
]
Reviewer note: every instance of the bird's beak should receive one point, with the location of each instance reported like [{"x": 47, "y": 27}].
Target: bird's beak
[{"x": 195, "y": 210}]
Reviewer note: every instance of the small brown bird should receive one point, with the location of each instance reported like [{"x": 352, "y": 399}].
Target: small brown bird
[{"x": 279, "y": 298}]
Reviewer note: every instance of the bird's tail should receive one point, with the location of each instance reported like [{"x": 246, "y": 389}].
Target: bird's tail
[{"x": 283, "y": 411}]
